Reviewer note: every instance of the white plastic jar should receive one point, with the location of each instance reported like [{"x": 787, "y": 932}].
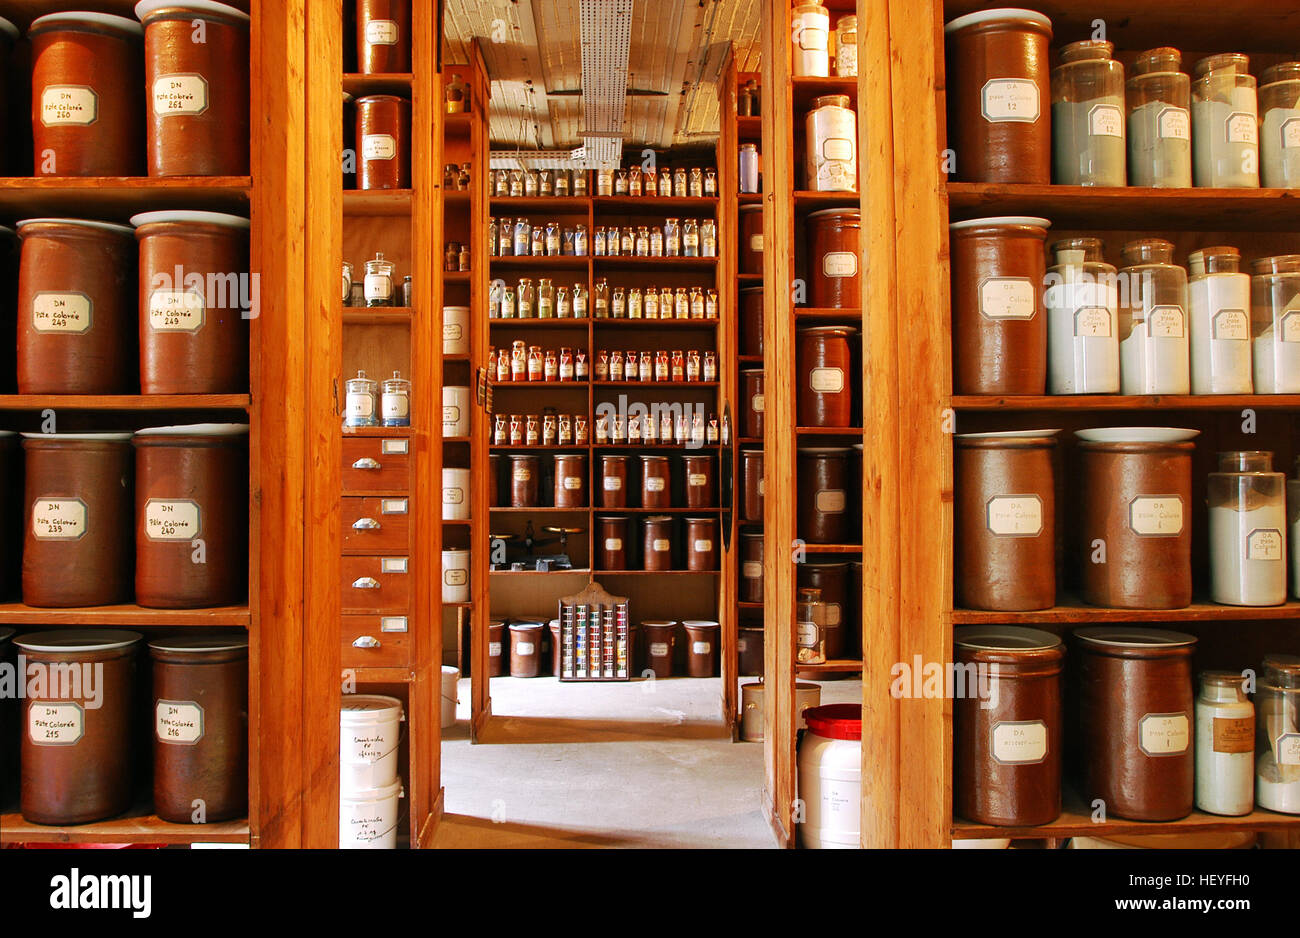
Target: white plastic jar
[
  {"x": 369, "y": 731},
  {"x": 368, "y": 818},
  {"x": 455, "y": 411},
  {"x": 830, "y": 777},
  {"x": 455, "y": 330},
  {"x": 455, "y": 576},
  {"x": 455, "y": 494}
]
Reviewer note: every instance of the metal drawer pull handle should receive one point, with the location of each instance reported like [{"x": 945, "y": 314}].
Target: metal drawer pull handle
[
  {"x": 365, "y": 583},
  {"x": 365, "y": 524},
  {"x": 366, "y": 462},
  {"x": 366, "y": 641}
]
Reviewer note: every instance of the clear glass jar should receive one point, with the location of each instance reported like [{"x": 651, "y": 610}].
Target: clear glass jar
[
  {"x": 652, "y": 302},
  {"x": 831, "y": 145},
  {"x": 711, "y": 304},
  {"x": 681, "y": 304},
  {"x": 695, "y": 182},
  {"x": 710, "y": 182},
  {"x": 545, "y": 182},
  {"x": 1275, "y": 324},
  {"x": 450, "y": 175},
  {"x": 360, "y": 405},
  {"x": 532, "y": 184},
  {"x": 598, "y": 241},
  {"x": 347, "y": 283},
  {"x": 810, "y": 627},
  {"x": 506, "y": 237},
  {"x": 846, "y": 47},
  {"x": 1218, "y": 298},
  {"x": 1225, "y": 125},
  {"x": 508, "y": 308},
  {"x": 379, "y": 281},
  {"x": 545, "y": 298},
  {"x": 464, "y": 177},
  {"x": 580, "y": 301},
  {"x": 495, "y": 289},
  {"x": 620, "y": 182},
  {"x": 1277, "y": 735},
  {"x": 580, "y": 246},
  {"x": 563, "y": 304},
  {"x": 665, "y": 181},
  {"x": 536, "y": 363},
  {"x": 635, "y": 181},
  {"x": 708, "y": 238},
  {"x": 462, "y": 262},
  {"x": 493, "y": 247},
  {"x": 569, "y": 243},
  {"x": 627, "y": 242},
  {"x": 554, "y": 239},
  {"x": 750, "y": 102},
  {"x": 600, "y": 299},
  {"x": 1082, "y": 303},
  {"x": 527, "y": 299},
  {"x": 604, "y": 182},
  {"x": 500, "y": 182},
  {"x": 656, "y": 242},
  {"x": 579, "y": 183},
  {"x": 561, "y": 182},
  {"x": 810, "y": 28},
  {"x": 667, "y": 303},
  {"x": 680, "y": 185},
  {"x": 539, "y": 241},
  {"x": 1225, "y": 745},
  {"x": 651, "y": 182},
  {"x": 697, "y": 303},
  {"x": 749, "y": 167},
  {"x": 1153, "y": 346},
  {"x": 395, "y": 403},
  {"x": 643, "y": 241},
  {"x": 1088, "y": 116},
  {"x": 523, "y": 241},
  {"x": 1279, "y": 108},
  {"x": 516, "y": 183},
  {"x": 635, "y": 303},
  {"x": 456, "y": 96},
  {"x": 690, "y": 238},
  {"x": 618, "y": 304},
  {"x": 1247, "y": 531},
  {"x": 519, "y": 361},
  {"x": 672, "y": 238}
]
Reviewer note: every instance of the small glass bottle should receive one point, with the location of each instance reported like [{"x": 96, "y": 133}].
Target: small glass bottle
[
  {"x": 500, "y": 183},
  {"x": 600, "y": 299},
  {"x": 407, "y": 295},
  {"x": 1225, "y": 745},
  {"x": 1082, "y": 303},
  {"x": 697, "y": 303},
  {"x": 604, "y": 182},
  {"x": 627, "y": 242},
  {"x": 463, "y": 259},
  {"x": 451, "y": 257},
  {"x": 710, "y": 182},
  {"x": 749, "y": 167},
  {"x": 579, "y": 183},
  {"x": 600, "y": 242},
  {"x": 536, "y": 363},
  {"x": 667, "y": 303},
  {"x": 1088, "y": 146},
  {"x": 539, "y": 241},
  {"x": 620, "y": 182},
  {"x": 708, "y": 238},
  {"x": 681, "y": 304},
  {"x": 545, "y": 298},
  {"x": 553, "y": 239},
  {"x": 561, "y": 183},
  {"x": 681, "y": 186},
  {"x": 711, "y": 304},
  {"x": 1247, "y": 531},
  {"x": 1277, "y": 735},
  {"x": 635, "y": 303},
  {"x": 652, "y": 302},
  {"x": 347, "y": 284},
  {"x": 527, "y": 299},
  {"x": 1275, "y": 324},
  {"x": 523, "y": 243},
  {"x": 545, "y": 182},
  {"x": 516, "y": 183},
  {"x": 1153, "y": 346},
  {"x": 450, "y": 174},
  {"x": 580, "y": 246},
  {"x": 1159, "y": 121},
  {"x": 618, "y": 304},
  {"x": 643, "y": 241},
  {"x": 508, "y": 302},
  {"x": 532, "y": 184},
  {"x": 396, "y": 401},
  {"x": 519, "y": 361},
  {"x": 563, "y": 304},
  {"x": 506, "y": 237},
  {"x": 810, "y": 627},
  {"x": 456, "y": 96},
  {"x": 672, "y": 238},
  {"x": 465, "y": 177},
  {"x": 1279, "y": 108},
  {"x": 379, "y": 281},
  {"x": 569, "y": 244},
  {"x": 635, "y": 181},
  {"x": 751, "y": 101},
  {"x": 1218, "y": 298},
  {"x": 1225, "y": 123},
  {"x": 846, "y": 47},
  {"x": 579, "y": 301},
  {"x": 665, "y": 181},
  {"x": 695, "y": 182},
  {"x": 359, "y": 405}
]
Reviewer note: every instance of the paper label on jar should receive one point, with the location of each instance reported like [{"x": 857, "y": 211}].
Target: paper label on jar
[
  {"x": 1234, "y": 734},
  {"x": 701, "y": 648},
  {"x": 62, "y": 312},
  {"x": 1291, "y": 134},
  {"x": 494, "y": 649},
  {"x": 69, "y": 104},
  {"x": 178, "y": 722},
  {"x": 613, "y": 543},
  {"x": 1007, "y": 298},
  {"x": 525, "y": 648},
  {"x": 697, "y": 480},
  {"x": 1092, "y": 322},
  {"x": 808, "y": 33},
  {"x": 455, "y": 577},
  {"x": 756, "y": 243},
  {"x": 756, "y": 403},
  {"x": 1286, "y": 749},
  {"x": 378, "y": 147},
  {"x": 660, "y": 544},
  {"x": 1232, "y": 325},
  {"x": 1010, "y": 99},
  {"x": 1165, "y": 322},
  {"x": 180, "y": 94},
  {"x": 832, "y": 615},
  {"x": 381, "y": 33},
  {"x": 522, "y": 474},
  {"x": 1291, "y": 327},
  {"x": 450, "y": 416},
  {"x": 1015, "y": 515},
  {"x": 658, "y": 649},
  {"x": 1163, "y": 734},
  {"x": 451, "y": 332},
  {"x": 172, "y": 519},
  {"x": 1156, "y": 515},
  {"x": 395, "y": 406},
  {"x": 837, "y": 149},
  {"x": 1019, "y": 742},
  {"x": 830, "y": 501},
  {"x": 613, "y": 483},
  {"x": 807, "y": 634},
  {"x": 703, "y": 546},
  {"x": 1174, "y": 123},
  {"x": 826, "y": 380},
  {"x": 58, "y": 519},
  {"x": 1106, "y": 120},
  {"x": 1264, "y": 544},
  {"x": 654, "y": 484},
  {"x": 360, "y": 405},
  {"x": 752, "y": 570},
  {"x": 1242, "y": 127},
  {"x": 55, "y": 724},
  {"x": 572, "y": 483},
  {"x": 762, "y": 486},
  {"x": 840, "y": 264},
  {"x": 176, "y": 311},
  {"x": 378, "y": 286},
  {"x": 453, "y": 496}
]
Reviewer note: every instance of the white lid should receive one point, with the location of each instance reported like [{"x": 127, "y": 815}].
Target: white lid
[
  {"x": 824, "y": 450},
  {"x": 145, "y": 8},
  {"x": 8, "y": 28},
  {"x": 6, "y": 633},
  {"x": 1000, "y": 220},
  {"x": 833, "y": 211},
  {"x": 1134, "y": 636},
  {"x": 357, "y": 705},
  {"x": 364, "y": 795},
  {"x": 83, "y": 222},
  {"x": 197, "y": 429},
  {"x": 74, "y": 18},
  {"x": 456, "y": 552},
  {"x": 200, "y": 643},
  {"x": 699, "y": 624},
  {"x": 78, "y": 640},
  {"x": 205, "y": 218},
  {"x": 1004, "y": 638},
  {"x": 458, "y": 309},
  {"x": 809, "y": 329},
  {"x": 991, "y": 16},
  {"x": 1011, "y": 434},
  {"x": 1136, "y": 434},
  {"x": 102, "y": 437}
]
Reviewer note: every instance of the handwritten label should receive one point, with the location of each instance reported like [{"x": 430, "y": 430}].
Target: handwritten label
[
  {"x": 1010, "y": 99},
  {"x": 1264, "y": 544},
  {"x": 172, "y": 520},
  {"x": 176, "y": 311},
  {"x": 1015, "y": 515},
  {"x": 1234, "y": 734},
  {"x": 1174, "y": 123},
  {"x": 1106, "y": 120},
  {"x": 69, "y": 104},
  {"x": 378, "y": 147},
  {"x": 1163, "y": 734},
  {"x": 455, "y": 576},
  {"x": 826, "y": 380},
  {"x": 1019, "y": 742},
  {"x": 381, "y": 33},
  {"x": 55, "y": 724},
  {"x": 1156, "y": 515},
  {"x": 1092, "y": 322},
  {"x": 1286, "y": 749},
  {"x": 840, "y": 264},
  {"x": 180, "y": 94},
  {"x": 178, "y": 722},
  {"x": 1291, "y": 134},
  {"x": 1007, "y": 298},
  {"x": 62, "y": 312},
  {"x": 830, "y": 501},
  {"x": 1232, "y": 325},
  {"x": 1242, "y": 127},
  {"x": 58, "y": 519},
  {"x": 1165, "y": 322}
]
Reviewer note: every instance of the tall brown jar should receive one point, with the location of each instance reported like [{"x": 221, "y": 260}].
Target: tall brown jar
[
  {"x": 612, "y": 543},
  {"x": 1008, "y": 737},
  {"x": 833, "y": 580},
  {"x": 751, "y": 566},
  {"x": 751, "y": 473},
  {"x": 78, "y": 546},
  {"x": 526, "y": 647},
  {"x": 1135, "y": 523},
  {"x": 76, "y": 307},
  {"x": 1006, "y": 529},
  {"x": 823, "y": 499},
  {"x": 657, "y": 543},
  {"x": 525, "y": 486},
  {"x": 191, "y": 516},
  {"x": 383, "y": 142},
  {"x": 659, "y": 639},
  {"x": 999, "y": 323},
  {"x": 750, "y": 648},
  {"x": 496, "y": 648},
  {"x": 87, "y": 106},
  {"x": 570, "y": 481},
  {"x": 999, "y": 96},
  {"x": 11, "y": 515},
  {"x": 701, "y": 490},
  {"x": 193, "y": 283},
  {"x": 613, "y": 484},
  {"x": 833, "y": 243},
  {"x": 1133, "y": 720},
  {"x": 656, "y": 482},
  {"x": 701, "y": 647},
  {"x": 383, "y": 36},
  {"x": 78, "y": 752},
  {"x": 9, "y": 744},
  {"x": 197, "y": 91},
  {"x": 200, "y": 721},
  {"x": 751, "y": 403},
  {"x": 750, "y": 247},
  {"x": 701, "y": 544},
  {"x": 826, "y": 376},
  {"x": 751, "y": 321}
]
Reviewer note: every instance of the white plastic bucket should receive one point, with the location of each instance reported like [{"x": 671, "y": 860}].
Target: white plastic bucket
[
  {"x": 455, "y": 576},
  {"x": 370, "y": 729},
  {"x": 450, "y": 679},
  {"x": 368, "y": 819},
  {"x": 455, "y": 494},
  {"x": 455, "y": 411},
  {"x": 455, "y": 330},
  {"x": 830, "y": 779}
]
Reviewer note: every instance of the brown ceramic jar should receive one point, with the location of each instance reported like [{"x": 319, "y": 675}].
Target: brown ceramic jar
[
  {"x": 826, "y": 376},
  {"x": 751, "y": 321},
  {"x": 526, "y": 648},
  {"x": 702, "y": 639},
  {"x": 1133, "y": 720},
  {"x": 383, "y": 36},
  {"x": 10, "y": 89},
  {"x": 1136, "y": 505},
  {"x": 193, "y": 280},
  {"x": 613, "y": 486},
  {"x": 383, "y": 142},
  {"x": 525, "y": 486},
  {"x": 570, "y": 481},
  {"x": 998, "y": 320},
  {"x": 496, "y": 639},
  {"x": 701, "y": 490},
  {"x": 78, "y": 753},
  {"x": 656, "y": 482},
  {"x": 999, "y": 96},
  {"x": 701, "y": 544},
  {"x": 197, "y": 92},
  {"x": 751, "y": 474},
  {"x": 751, "y": 239},
  {"x": 659, "y": 639},
  {"x": 751, "y": 566},
  {"x": 9, "y": 742},
  {"x": 657, "y": 541},
  {"x": 11, "y": 515},
  {"x": 191, "y": 516},
  {"x": 87, "y": 105},
  {"x": 751, "y": 403},
  {"x": 76, "y": 308},
  {"x": 200, "y": 722},
  {"x": 612, "y": 543},
  {"x": 1005, "y": 521},
  {"x": 1007, "y": 729},
  {"x": 833, "y": 247},
  {"x": 823, "y": 499},
  {"x": 750, "y": 648},
  {"x": 78, "y": 546},
  {"x": 833, "y": 580}
]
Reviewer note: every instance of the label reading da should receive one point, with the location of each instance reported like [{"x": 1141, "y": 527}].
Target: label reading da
[
  {"x": 1286, "y": 749},
  {"x": 1007, "y": 298},
  {"x": 378, "y": 147},
  {"x": 180, "y": 94},
  {"x": 58, "y": 519},
  {"x": 176, "y": 311},
  {"x": 1165, "y": 322},
  {"x": 1232, "y": 325},
  {"x": 1015, "y": 515},
  {"x": 1106, "y": 120},
  {"x": 178, "y": 722},
  {"x": 62, "y": 312},
  {"x": 840, "y": 264},
  {"x": 1242, "y": 127},
  {"x": 381, "y": 33},
  {"x": 1163, "y": 734},
  {"x": 1092, "y": 322},
  {"x": 1010, "y": 99},
  {"x": 1175, "y": 124},
  {"x": 55, "y": 724},
  {"x": 1156, "y": 515},
  {"x": 1019, "y": 742},
  {"x": 69, "y": 104},
  {"x": 1264, "y": 544},
  {"x": 172, "y": 519}
]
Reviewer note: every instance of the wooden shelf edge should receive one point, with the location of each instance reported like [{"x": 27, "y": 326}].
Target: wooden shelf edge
[
  {"x": 1075, "y": 612},
  {"x": 1109, "y": 402},
  {"x": 141, "y": 183},
  {"x": 125, "y": 401},
  {"x": 138, "y": 826},
  {"x": 1074, "y": 823},
  {"x": 126, "y": 616}
]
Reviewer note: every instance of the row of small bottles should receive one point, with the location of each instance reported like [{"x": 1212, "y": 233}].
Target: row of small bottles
[
  {"x": 521, "y": 237},
  {"x": 545, "y": 300},
  {"x": 672, "y": 426},
  {"x": 366, "y": 406},
  {"x": 378, "y": 287},
  {"x": 523, "y": 362},
  {"x": 456, "y": 257},
  {"x": 681, "y": 182},
  {"x": 457, "y": 178}
]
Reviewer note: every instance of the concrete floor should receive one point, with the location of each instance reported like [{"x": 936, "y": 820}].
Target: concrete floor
[{"x": 636, "y": 764}]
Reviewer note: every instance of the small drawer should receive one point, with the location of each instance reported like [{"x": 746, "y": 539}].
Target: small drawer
[
  {"x": 376, "y": 464},
  {"x": 376, "y": 525},
  {"x": 376, "y": 642},
  {"x": 376, "y": 584}
]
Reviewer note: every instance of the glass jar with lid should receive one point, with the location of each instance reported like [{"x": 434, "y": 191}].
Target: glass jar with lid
[
  {"x": 1247, "y": 531},
  {"x": 1088, "y": 116},
  {"x": 538, "y": 241},
  {"x": 1275, "y": 324},
  {"x": 545, "y": 182},
  {"x": 563, "y": 303},
  {"x": 618, "y": 304},
  {"x": 643, "y": 241},
  {"x": 604, "y": 182},
  {"x": 464, "y": 177},
  {"x": 810, "y": 28},
  {"x": 635, "y": 303},
  {"x": 635, "y": 181},
  {"x": 579, "y": 183},
  {"x": 1153, "y": 347},
  {"x": 846, "y": 47},
  {"x": 561, "y": 182},
  {"x": 359, "y": 406},
  {"x": 553, "y": 238},
  {"x": 508, "y": 307},
  {"x": 652, "y": 302},
  {"x": 1277, "y": 735},
  {"x": 379, "y": 281},
  {"x": 450, "y": 177},
  {"x": 810, "y": 627},
  {"x": 620, "y": 182},
  {"x": 695, "y": 184},
  {"x": 1225, "y": 124},
  {"x": 506, "y": 237},
  {"x": 493, "y": 244},
  {"x": 347, "y": 283},
  {"x": 456, "y": 96},
  {"x": 545, "y": 298},
  {"x": 1218, "y": 297},
  {"x": 580, "y": 246},
  {"x": 681, "y": 304},
  {"x": 697, "y": 302},
  {"x": 627, "y": 241},
  {"x": 516, "y": 183},
  {"x": 600, "y": 299},
  {"x": 1279, "y": 108},
  {"x": 710, "y": 181},
  {"x": 708, "y": 238},
  {"x": 1225, "y": 745},
  {"x": 580, "y": 301},
  {"x": 598, "y": 241},
  {"x": 831, "y": 148},
  {"x": 1082, "y": 320},
  {"x": 527, "y": 299},
  {"x": 532, "y": 183},
  {"x": 569, "y": 243},
  {"x": 711, "y": 304},
  {"x": 690, "y": 238},
  {"x": 396, "y": 401},
  {"x": 750, "y": 102},
  {"x": 665, "y": 181},
  {"x": 680, "y": 185},
  {"x": 500, "y": 182},
  {"x": 672, "y": 237},
  {"x": 523, "y": 240},
  {"x": 749, "y": 167}
]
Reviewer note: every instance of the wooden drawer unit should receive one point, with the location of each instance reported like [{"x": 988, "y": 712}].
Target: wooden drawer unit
[
  {"x": 376, "y": 464},
  {"x": 376, "y": 584},
  {"x": 376, "y": 525},
  {"x": 374, "y": 641}
]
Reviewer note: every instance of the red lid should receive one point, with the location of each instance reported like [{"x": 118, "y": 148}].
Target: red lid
[{"x": 835, "y": 721}]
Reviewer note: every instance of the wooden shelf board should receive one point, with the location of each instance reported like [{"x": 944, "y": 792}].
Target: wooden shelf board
[
  {"x": 1072, "y": 611},
  {"x": 606, "y": 261},
  {"x": 541, "y": 323},
  {"x": 1088, "y": 402},
  {"x": 584, "y": 571},
  {"x": 460, "y": 198},
  {"x": 676, "y": 510},
  {"x": 815, "y": 201},
  {"x": 540, "y": 385},
  {"x": 657, "y": 324},
  {"x": 833, "y": 548},
  {"x": 357, "y": 84},
  {"x": 124, "y": 616},
  {"x": 828, "y": 431},
  {"x": 749, "y": 198},
  {"x": 559, "y": 205},
  {"x": 125, "y": 401},
  {"x": 541, "y": 509},
  {"x": 382, "y": 675},
  {"x": 457, "y": 125},
  {"x": 377, "y": 431},
  {"x": 658, "y": 572},
  {"x": 832, "y": 666},
  {"x": 507, "y": 448},
  {"x": 117, "y": 198},
  {"x": 745, "y": 605},
  {"x": 827, "y": 313},
  {"x": 377, "y": 315},
  {"x": 660, "y": 385},
  {"x": 653, "y": 204},
  {"x": 456, "y": 439},
  {"x": 372, "y": 202},
  {"x": 137, "y": 826},
  {"x": 549, "y": 261}
]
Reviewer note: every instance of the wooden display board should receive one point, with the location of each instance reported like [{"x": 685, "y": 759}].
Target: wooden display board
[{"x": 595, "y": 636}]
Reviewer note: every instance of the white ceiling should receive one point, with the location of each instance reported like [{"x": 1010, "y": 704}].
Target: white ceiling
[{"x": 533, "y": 53}]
